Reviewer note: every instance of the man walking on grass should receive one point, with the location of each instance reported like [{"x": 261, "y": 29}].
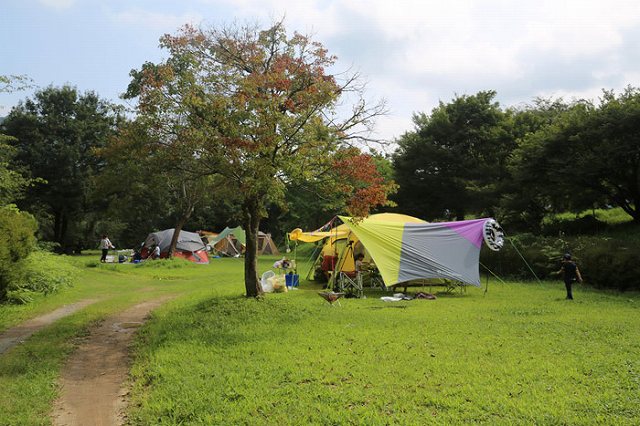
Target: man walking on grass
[{"x": 570, "y": 272}]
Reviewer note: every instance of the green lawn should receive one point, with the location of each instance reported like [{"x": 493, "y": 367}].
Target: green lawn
[{"x": 519, "y": 354}]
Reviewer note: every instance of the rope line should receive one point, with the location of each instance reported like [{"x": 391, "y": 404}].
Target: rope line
[
  {"x": 525, "y": 261},
  {"x": 492, "y": 273}
]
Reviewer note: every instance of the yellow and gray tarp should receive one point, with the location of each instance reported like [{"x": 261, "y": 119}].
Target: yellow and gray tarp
[{"x": 405, "y": 251}]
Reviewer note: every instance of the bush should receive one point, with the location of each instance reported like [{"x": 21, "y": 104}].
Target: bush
[
  {"x": 604, "y": 262},
  {"x": 586, "y": 225},
  {"x": 17, "y": 240},
  {"x": 41, "y": 272}
]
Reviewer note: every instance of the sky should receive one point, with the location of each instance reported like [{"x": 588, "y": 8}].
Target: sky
[{"x": 412, "y": 53}]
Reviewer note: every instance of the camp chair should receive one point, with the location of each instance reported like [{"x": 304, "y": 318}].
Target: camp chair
[
  {"x": 348, "y": 284},
  {"x": 371, "y": 278}
]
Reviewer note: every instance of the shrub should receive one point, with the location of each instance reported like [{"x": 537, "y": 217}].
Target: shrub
[
  {"x": 604, "y": 262},
  {"x": 17, "y": 240},
  {"x": 41, "y": 272},
  {"x": 586, "y": 225}
]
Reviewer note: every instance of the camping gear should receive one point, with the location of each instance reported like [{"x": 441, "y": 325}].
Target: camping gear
[
  {"x": 340, "y": 246},
  {"x": 292, "y": 280},
  {"x": 331, "y": 297},
  {"x": 409, "y": 251},
  {"x": 405, "y": 248},
  {"x": 189, "y": 245}
]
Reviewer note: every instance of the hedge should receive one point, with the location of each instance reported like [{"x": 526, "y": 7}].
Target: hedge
[{"x": 603, "y": 261}]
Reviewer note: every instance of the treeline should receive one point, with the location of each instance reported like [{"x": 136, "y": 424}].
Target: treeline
[{"x": 521, "y": 165}]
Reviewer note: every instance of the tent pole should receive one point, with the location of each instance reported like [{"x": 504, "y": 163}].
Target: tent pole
[{"x": 340, "y": 263}]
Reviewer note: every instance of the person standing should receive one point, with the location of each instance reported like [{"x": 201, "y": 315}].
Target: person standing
[
  {"x": 570, "y": 273},
  {"x": 105, "y": 245}
]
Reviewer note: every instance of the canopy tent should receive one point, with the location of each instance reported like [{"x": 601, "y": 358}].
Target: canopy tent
[
  {"x": 406, "y": 249},
  {"x": 189, "y": 245},
  {"x": 337, "y": 240}
]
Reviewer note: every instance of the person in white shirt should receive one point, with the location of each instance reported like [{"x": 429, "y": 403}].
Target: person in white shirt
[{"x": 105, "y": 245}]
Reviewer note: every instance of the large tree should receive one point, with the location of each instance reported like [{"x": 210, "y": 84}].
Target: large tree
[
  {"x": 587, "y": 156},
  {"x": 162, "y": 175},
  {"x": 55, "y": 135},
  {"x": 259, "y": 108},
  {"x": 455, "y": 160}
]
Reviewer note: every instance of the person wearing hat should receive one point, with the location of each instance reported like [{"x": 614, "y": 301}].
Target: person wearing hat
[{"x": 570, "y": 272}]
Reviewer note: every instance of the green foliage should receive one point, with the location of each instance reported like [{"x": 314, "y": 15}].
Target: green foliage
[
  {"x": 12, "y": 182},
  {"x": 584, "y": 225},
  {"x": 17, "y": 240},
  {"x": 455, "y": 160},
  {"x": 258, "y": 109},
  {"x": 586, "y": 157},
  {"x": 55, "y": 134},
  {"x": 41, "y": 272},
  {"x": 604, "y": 262}
]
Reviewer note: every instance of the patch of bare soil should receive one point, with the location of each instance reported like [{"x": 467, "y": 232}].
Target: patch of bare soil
[
  {"x": 93, "y": 380},
  {"x": 22, "y": 332}
]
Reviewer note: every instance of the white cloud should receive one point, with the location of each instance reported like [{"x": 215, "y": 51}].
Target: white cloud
[
  {"x": 58, "y": 4},
  {"x": 156, "y": 21}
]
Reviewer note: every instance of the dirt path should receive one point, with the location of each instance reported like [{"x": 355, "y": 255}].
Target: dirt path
[
  {"x": 92, "y": 381},
  {"x": 22, "y": 332}
]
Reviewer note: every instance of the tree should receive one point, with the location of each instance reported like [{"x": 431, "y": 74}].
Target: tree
[
  {"x": 455, "y": 160},
  {"x": 259, "y": 108},
  {"x": 17, "y": 228},
  {"x": 160, "y": 171},
  {"x": 529, "y": 195},
  {"x": 589, "y": 155},
  {"x": 55, "y": 135}
]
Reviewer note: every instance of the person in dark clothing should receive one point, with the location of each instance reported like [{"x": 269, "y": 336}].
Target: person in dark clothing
[{"x": 570, "y": 273}]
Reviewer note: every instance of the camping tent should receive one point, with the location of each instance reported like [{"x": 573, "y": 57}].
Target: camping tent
[
  {"x": 266, "y": 244},
  {"x": 405, "y": 249},
  {"x": 232, "y": 241},
  {"x": 341, "y": 245},
  {"x": 189, "y": 245}
]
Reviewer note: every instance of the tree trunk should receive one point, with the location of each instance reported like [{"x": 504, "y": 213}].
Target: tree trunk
[
  {"x": 252, "y": 224},
  {"x": 177, "y": 229},
  {"x": 60, "y": 228},
  {"x": 57, "y": 224}
]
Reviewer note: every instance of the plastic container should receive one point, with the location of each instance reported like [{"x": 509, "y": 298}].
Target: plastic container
[{"x": 292, "y": 280}]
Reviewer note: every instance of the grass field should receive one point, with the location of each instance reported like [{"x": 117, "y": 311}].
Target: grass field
[{"x": 519, "y": 354}]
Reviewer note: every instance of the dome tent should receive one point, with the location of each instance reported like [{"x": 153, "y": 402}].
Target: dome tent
[{"x": 189, "y": 245}]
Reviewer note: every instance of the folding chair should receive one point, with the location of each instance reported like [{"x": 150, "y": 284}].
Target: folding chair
[{"x": 347, "y": 284}]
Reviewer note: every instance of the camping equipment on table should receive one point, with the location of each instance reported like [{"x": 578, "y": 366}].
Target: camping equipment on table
[{"x": 189, "y": 245}]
